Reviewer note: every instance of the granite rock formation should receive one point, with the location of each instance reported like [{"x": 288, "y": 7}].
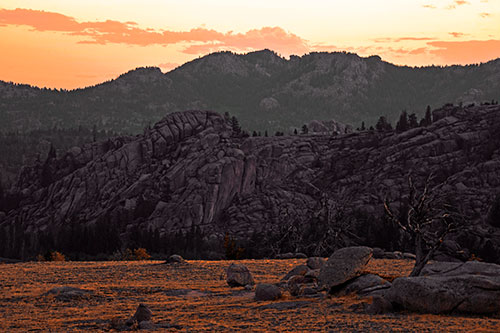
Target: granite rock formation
[{"x": 189, "y": 171}]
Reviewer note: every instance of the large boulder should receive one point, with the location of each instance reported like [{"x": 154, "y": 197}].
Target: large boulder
[
  {"x": 239, "y": 276},
  {"x": 444, "y": 294},
  {"x": 267, "y": 292},
  {"x": 344, "y": 265}
]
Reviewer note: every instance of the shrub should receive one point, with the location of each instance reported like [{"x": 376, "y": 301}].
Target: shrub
[
  {"x": 141, "y": 254},
  {"x": 56, "y": 256}
]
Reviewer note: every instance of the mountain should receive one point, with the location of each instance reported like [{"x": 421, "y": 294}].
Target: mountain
[
  {"x": 189, "y": 181},
  {"x": 265, "y": 92}
]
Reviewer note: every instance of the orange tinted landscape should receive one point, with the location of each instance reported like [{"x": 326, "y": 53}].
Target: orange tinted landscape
[{"x": 196, "y": 297}]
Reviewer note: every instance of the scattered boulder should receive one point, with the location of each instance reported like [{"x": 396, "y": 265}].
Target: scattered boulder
[
  {"x": 176, "y": 259},
  {"x": 363, "y": 284},
  {"x": 68, "y": 293},
  {"x": 143, "y": 313},
  {"x": 239, "y": 276},
  {"x": 298, "y": 270},
  {"x": 315, "y": 262},
  {"x": 343, "y": 265},
  {"x": 267, "y": 292}
]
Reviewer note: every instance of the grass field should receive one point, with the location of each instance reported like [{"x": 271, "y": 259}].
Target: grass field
[{"x": 195, "y": 297}]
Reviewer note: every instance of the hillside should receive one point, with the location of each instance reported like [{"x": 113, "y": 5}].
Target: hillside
[
  {"x": 265, "y": 91},
  {"x": 189, "y": 180}
]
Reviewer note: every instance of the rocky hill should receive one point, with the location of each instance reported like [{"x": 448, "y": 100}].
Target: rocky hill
[
  {"x": 265, "y": 91},
  {"x": 190, "y": 175}
]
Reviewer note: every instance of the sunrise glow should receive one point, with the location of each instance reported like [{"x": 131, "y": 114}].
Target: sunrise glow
[{"x": 69, "y": 44}]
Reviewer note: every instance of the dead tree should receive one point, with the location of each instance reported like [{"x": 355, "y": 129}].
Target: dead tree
[
  {"x": 427, "y": 221},
  {"x": 337, "y": 222}
]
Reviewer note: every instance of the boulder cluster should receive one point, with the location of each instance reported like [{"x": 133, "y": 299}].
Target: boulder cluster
[{"x": 442, "y": 287}]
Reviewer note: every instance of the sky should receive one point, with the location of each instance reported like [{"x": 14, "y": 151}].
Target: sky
[{"x": 71, "y": 43}]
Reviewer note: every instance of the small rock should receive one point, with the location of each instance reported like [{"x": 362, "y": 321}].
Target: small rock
[
  {"x": 239, "y": 276},
  {"x": 308, "y": 290},
  {"x": 300, "y": 255},
  {"x": 249, "y": 287},
  {"x": 143, "y": 313},
  {"x": 298, "y": 270},
  {"x": 267, "y": 292},
  {"x": 67, "y": 293},
  {"x": 295, "y": 283},
  {"x": 315, "y": 262},
  {"x": 176, "y": 259}
]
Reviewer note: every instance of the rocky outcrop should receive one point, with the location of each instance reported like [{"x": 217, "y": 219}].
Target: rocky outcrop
[{"x": 190, "y": 173}]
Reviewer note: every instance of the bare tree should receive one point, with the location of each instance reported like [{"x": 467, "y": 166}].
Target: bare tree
[
  {"x": 427, "y": 221},
  {"x": 336, "y": 222}
]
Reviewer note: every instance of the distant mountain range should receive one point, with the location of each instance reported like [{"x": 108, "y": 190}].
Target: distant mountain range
[{"x": 264, "y": 90}]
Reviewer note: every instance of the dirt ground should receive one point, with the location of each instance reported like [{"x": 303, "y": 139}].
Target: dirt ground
[{"x": 195, "y": 297}]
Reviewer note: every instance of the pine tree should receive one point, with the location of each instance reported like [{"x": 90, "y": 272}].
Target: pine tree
[
  {"x": 428, "y": 116},
  {"x": 305, "y": 130},
  {"x": 295, "y": 131},
  {"x": 383, "y": 125},
  {"x": 412, "y": 121},
  {"x": 402, "y": 124},
  {"x": 235, "y": 125},
  {"x": 363, "y": 128}
]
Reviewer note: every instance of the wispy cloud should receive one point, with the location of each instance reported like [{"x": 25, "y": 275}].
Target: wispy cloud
[
  {"x": 457, "y": 3},
  {"x": 485, "y": 15},
  {"x": 457, "y": 34},
  {"x": 401, "y": 39},
  {"x": 202, "y": 39}
]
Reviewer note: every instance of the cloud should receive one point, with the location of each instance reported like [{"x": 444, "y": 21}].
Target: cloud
[
  {"x": 401, "y": 39},
  {"x": 457, "y": 34},
  {"x": 457, "y": 3},
  {"x": 466, "y": 52},
  {"x": 110, "y": 31},
  {"x": 429, "y": 6},
  {"x": 484, "y": 15}
]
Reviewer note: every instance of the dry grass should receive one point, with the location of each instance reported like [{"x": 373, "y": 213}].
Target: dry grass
[{"x": 194, "y": 297}]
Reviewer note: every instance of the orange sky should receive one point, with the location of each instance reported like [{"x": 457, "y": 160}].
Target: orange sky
[{"x": 69, "y": 44}]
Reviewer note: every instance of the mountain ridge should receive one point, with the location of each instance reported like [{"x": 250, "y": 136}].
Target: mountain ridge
[{"x": 264, "y": 90}]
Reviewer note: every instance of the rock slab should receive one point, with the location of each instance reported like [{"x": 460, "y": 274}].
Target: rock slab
[{"x": 344, "y": 265}]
